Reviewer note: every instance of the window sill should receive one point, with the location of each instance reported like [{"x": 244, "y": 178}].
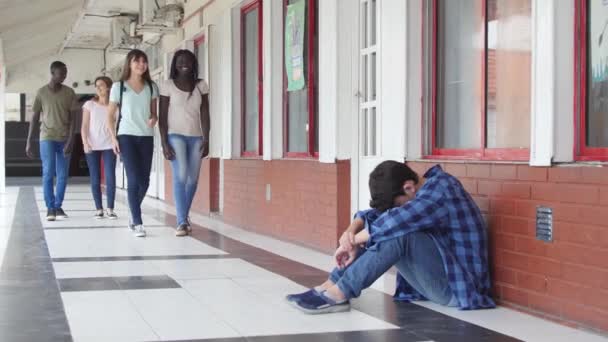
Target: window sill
[{"x": 465, "y": 160}]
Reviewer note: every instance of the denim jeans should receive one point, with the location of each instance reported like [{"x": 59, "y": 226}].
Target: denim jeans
[
  {"x": 186, "y": 167},
  {"x": 415, "y": 255},
  {"x": 54, "y": 164},
  {"x": 109, "y": 164},
  {"x": 137, "y": 153}
]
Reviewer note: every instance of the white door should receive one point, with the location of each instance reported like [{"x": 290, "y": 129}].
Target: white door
[
  {"x": 369, "y": 114},
  {"x": 157, "y": 175}
]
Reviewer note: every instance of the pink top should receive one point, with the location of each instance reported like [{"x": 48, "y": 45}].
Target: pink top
[{"x": 99, "y": 135}]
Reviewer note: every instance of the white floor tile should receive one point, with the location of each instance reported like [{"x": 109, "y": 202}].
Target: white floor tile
[
  {"x": 105, "y": 316},
  {"x": 6, "y": 217},
  {"x": 212, "y": 268},
  {"x": 91, "y": 269},
  {"x": 85, "y": 219},
  {"x": 87, "y": 214},
  {"x": 109, "y": 242},
  {"x": 75, "y": 205},
  {"x": 8, "y": 200},
  {"x": 272, "y": 289},
  {"x": 272, "y": 318},
  {"x": 174, "y": 314}
]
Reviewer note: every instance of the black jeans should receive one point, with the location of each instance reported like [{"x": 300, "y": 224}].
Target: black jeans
[{"x": 137, "y": 153}]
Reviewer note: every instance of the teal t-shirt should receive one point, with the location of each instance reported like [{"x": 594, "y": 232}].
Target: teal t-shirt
[{"x": 135, "y": 109}]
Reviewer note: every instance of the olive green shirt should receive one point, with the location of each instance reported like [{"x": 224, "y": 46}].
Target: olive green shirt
[{"x": 55, "y": 108}]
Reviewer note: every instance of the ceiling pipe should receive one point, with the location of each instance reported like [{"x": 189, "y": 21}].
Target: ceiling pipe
[{"x": 83, "y": 11}]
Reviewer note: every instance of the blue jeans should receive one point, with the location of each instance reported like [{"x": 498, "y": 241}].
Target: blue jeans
[
  {"x": 54, "y": 164},
  {"x": 415, "y": 255},
  {"x": 186, "y": 167},
  {"x": 109, "y": 165},
  {"x": 137, "y": 153}
]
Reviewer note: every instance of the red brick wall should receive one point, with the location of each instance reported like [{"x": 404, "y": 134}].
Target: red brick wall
[
  {"x": 206, "y": 198},
  {"x": 310, "y": 201},
  {"x": 566, "y": 280}
]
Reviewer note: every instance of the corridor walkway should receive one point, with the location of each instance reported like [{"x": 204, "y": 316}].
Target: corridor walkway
[{"x": 83, "y": 279}]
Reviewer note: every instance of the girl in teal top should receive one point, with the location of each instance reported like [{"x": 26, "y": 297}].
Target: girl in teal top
[{"x": 133, "y": 110}]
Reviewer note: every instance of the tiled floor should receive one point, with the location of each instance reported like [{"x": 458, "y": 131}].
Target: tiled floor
[{"x": 83, "y": 279}]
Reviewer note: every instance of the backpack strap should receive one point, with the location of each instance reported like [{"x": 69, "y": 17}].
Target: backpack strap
[{"x": 122, "y": 89}]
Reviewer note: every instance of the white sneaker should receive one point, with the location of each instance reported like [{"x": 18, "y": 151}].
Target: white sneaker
[
  {"x": 139, "y": 231},
  {"x": 98, "y": 214},
  {"x": 111, "y": 214}
]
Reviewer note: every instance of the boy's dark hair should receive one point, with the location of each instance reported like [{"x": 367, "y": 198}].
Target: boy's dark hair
[
  {"x": 386, "y": 183},
  {"x": 57, "y": 65}
]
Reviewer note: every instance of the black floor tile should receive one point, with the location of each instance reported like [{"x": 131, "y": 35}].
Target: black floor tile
[
  {"x": 88, "y": 284},
  {"x": 30, "y": 304},
  {"x": 117, "y": 283},
  {"x": 146, "y": 283}
]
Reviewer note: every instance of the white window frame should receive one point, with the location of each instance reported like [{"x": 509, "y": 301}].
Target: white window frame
[{"x": 370, "y": 136}]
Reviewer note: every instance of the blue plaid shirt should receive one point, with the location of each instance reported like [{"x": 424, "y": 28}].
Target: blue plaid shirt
[{"x": 444, "y": 209}]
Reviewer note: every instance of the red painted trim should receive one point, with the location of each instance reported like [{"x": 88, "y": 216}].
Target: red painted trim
[
  {"x": 254, "y": 5},
  {"x": 484, "y": 72},
  {"x": 506, "y": 154},
  {"x": 482, "y": 153},
  {"x": 199, "y": 10},
  {"x": 577, "y": 96},
  {"x": 303, "y": 155},
  {"x": 583, "y": 152},
  {"x": 311, "y": 62},
  {"x": 252, "y": 155},
  {"x": 260, "y": 79},
  {"x": 434, "y": 29},
  {"x": 422, "y": 82},
  {"x": 311, "y": 76}
]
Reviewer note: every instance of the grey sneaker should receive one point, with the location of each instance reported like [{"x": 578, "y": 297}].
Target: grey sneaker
[
  {"x": 189, "y": 224},
  {"x": 181, "y": 230},
  {"x": 139, "y": 231},
  {"x": 98, "y": 214},
  {"x": 111, "y": 214},
  {"x": 60, "y": 213},
  {"x": 131, "y": 226},
  {"x": 51, "y": 215}
]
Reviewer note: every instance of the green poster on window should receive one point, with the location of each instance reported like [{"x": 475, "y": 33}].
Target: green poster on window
[{"x": 295, "y": 24}]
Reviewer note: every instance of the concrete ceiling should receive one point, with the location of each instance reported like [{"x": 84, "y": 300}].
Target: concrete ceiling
[
  {"x": 92, "y": 27},
  {"x": 32, "y": 29}
]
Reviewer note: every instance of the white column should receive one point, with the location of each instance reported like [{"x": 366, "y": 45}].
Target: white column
[
  {"x": 2, "y": 120},
  {"x": 392, "y": 78},
  {"x": 543, "y": 82},
  {"x": 564, "y": 82},
  {"x": 272, "y": 40},
  {"x": 222, "y": 51},
  {"x": 328, "y": 80}
]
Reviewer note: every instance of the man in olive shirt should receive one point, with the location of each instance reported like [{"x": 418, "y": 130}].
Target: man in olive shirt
[{"x": 55, "y": 101}]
